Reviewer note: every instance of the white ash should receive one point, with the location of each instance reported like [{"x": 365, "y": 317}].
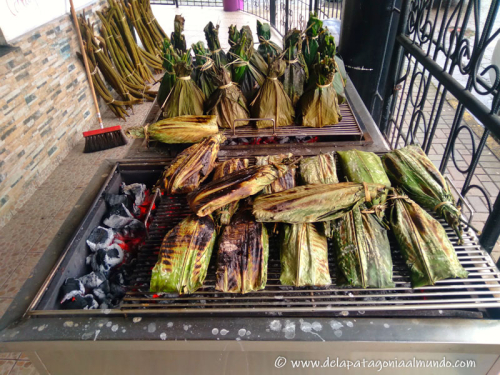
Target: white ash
[
  {"x": 92, "y": 303},
  {"x": 92, "y": 280},
  {"x": 104, "y": 259},
  {"x": 100, "y": 238},
  {"x": 137, "y": 191},
  {"x": 118, "y": 217}
]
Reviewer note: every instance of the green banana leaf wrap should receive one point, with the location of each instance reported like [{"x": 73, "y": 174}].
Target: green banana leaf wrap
[
  {"x": 319, "y": 169},
  {"x": 424, "y": 244},
  {"x": 185, "y": 98},
  {"x": 233, "y": 39},
  {"x": 310, "y": 45},
  {"x": 362, "y": 251},
  {"x": 410, "y": 169},
  {"x": 223, "y": 215},
  {"x": 283, "y": 183},
  {"x": 272, "y": 101},
  {"x": 212, "y": 37},
  {"x": 235, "y": 186},
  {"x": 313, "y": 203},
  {"x": 184, "y": 256},
  {"x": 319, "y": 106},
  {"x": 328, "y": 48},
  {"x": 204, "y": 69},
  {"x": 182, "y": 129},
  {"x": 227, "y": 102},
  {"x": 361, "y": 166},
  {"x": 192, "y": 166},
  {"x": 304, "y": 255},
  {"x": 177, "y": 37},
  {"x": 267, "y": 48},
  {"x": 170, "y": 57},
  {"x": 296, "y": 74},
  {"x": 243, "y": 255}
]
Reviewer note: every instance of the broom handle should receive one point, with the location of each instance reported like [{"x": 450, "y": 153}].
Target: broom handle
[{"x": 85, "y": 62}]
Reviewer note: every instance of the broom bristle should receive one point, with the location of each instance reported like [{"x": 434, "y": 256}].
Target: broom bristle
[{"x": 104, "y": 141}]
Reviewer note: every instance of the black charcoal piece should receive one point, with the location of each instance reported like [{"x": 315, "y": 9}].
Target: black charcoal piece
[
  {"x": 100, "y": 238},
  {"x": 118, "y": 217},
  {"x": 102, "y": 292},
  {"x": 137, "y": 191},
  {"x": 104, "y": 259},
  {"x": 70, "y": 289},
  {"x": 114, "y": 199},
  {"x": 117, "y": 291},
  {"x": 93, "y": 280}
]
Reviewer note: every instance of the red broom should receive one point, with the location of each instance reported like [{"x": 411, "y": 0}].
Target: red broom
[{"x": 103, "y": 138}]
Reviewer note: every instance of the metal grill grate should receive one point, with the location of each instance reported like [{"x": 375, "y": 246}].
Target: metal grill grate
[{"x": 476, "y": 292}]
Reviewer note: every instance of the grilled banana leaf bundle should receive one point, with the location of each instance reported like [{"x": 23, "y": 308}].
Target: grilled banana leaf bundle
[
  {"x": 328, "y": 48},
  {"x": 267, "y": 48},
  {"x": 192, "y": 166},
  {"x": 304, "y": 255},
  {"x": 424, "y": 244},
  {"x": 310, "y": 45},
  {"x": 184, "y": 256},
  {"x": 314, "y": 203},
  {"x": 235, "y": 186},
  {"x": 227, "y": 102},
  {"x": 177, "y": 37},
  {"x": 182, "y": 129},
  {"x": 223, "y": 215},
  {"x": 272, "y": 101},
  {"x": 242, "y": 256},
  {"x": 186, "y": 98},
  {"x": 363, "y": 251},
  {"x": 296, "y": 73},
  {"x": 284, "y": 183},
  {"x": 411, "y": 169},
  {"x": 319, "y": 105},
  {"x": 319, "y": 169},
  {"x": 212, "y": 36},
  {"x": 204, "y": 69}
]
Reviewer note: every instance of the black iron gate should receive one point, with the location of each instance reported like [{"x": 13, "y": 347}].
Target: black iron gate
[{"x": 446, "y": 92}]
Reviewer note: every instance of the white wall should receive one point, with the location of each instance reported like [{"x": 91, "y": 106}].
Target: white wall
[{"x": 17, "y": 17}]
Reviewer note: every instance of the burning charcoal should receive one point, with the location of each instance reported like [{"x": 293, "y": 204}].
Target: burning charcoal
[
  {"x": 137, "y": 191},
  {"x": 104, "y": 259},
  {"x": 133, "y": 229},
  {"x": 92, "y": 280},
  {"x": 80, "y": 302},
  {"x": 118, "y": 217},
  {"x": 100, "y": 238},
  {"x": 71, "y": 288},
  {"x": 117, "y": 199},
  {"x": 101, "y": 293},
  {"x": 117, "y": 291}
]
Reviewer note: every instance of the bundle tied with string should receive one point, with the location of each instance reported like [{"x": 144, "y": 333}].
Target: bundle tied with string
[
  {"x": 256, "y": 60},
  {"x": 318, "y": 106},
  {"x": 204, "y": 69},
  {"x": 185, "y": 98},
  {"x": 310, "y": 45},
  {"x": 212, "y": 36},
  {"x": 227, "y": 102},
  {"x": 296, "y": 73},
  {"x": 170, "y": 57},
  {"x": 272, "y": 101},
  {"x": 267, "y": 48},
  {"x": 177, "y": 37}
]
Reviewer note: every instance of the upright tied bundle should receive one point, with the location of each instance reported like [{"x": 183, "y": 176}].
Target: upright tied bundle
[
  {"x": 310, "y": 45},
  {"x": 423, "y": 243},
  {"x": 411, "y": 169},
  {"x": 256, "y": 60},
  {"x": 233, "y": 40},
  {"x": 185, "y": 98},
  {"x": 170, "y": 57},
  {"x": 177, "y": 37},
  {"x": 304, "y": 256},
  {"x": 266, "y": 48},
  {"x": 296, "y": 74},
  {"x": 227, "y": 102},
  {"x": 242, "y": 256},
  {"x": 204, "y": 70},
  {"x": 272, "y": 101},
  {"x": 327, "y": 48},
  {"x": 319, "y": 105},
  {"x": 363, "y": 251},
  {"x": 184, "y": 256},
  {"x": 212, "y": 36},
  {"x": 284, "y": 183}
]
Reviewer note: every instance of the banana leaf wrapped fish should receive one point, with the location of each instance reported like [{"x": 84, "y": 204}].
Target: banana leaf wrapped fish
[
  {"x": 242, "y": 256},
  {"x": 319, "y": 105},
  {"x": 266, "y": 47},
  {"x": 272, "y": 101},
  {"x": 182, "y": 129},
  {"x": 411, "y": 169},
  {"x": 304, "y": 255},
  {"x": 314, "y": 203},
  {"x": 170, "y": 57},
  {"x": 363, "y": 251},
  {"x": 235, "y": 186},
  {"x": 177, "y": 37},
  {"x": 204, "y": 69},
  {"x": 284, "y": 183},
  {"x": 296, "y": 74},
  {"x": 185, "y": 98},
  {"x": 310, "y": 45},
  {"x": 223, "y": 215},
  {"x": 184, "y": 256},
  {"x": 192, "y": 166},
  {"x": 212, "y": 36},
  {"x": 424, "y": 244},
  {"x": 227, "y": 102}
]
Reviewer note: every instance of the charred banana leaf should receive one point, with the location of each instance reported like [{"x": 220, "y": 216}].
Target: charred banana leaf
[
  {"x": 313, "y": 203},
  {"x": 184, "y": 256},
  {"x": 424, "y": 244},
  {"x": 284, "y": 183},
  {"x": 238, "y": 185},
  {"x": 192, "y": 166},
  {"x": 242, "y": 257},
  {"x": 411, "y": 169},
  {"x": 223, "y": 215},
  {"x": 304, "y": 256},
  {"x": 363, "y": 251}
]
